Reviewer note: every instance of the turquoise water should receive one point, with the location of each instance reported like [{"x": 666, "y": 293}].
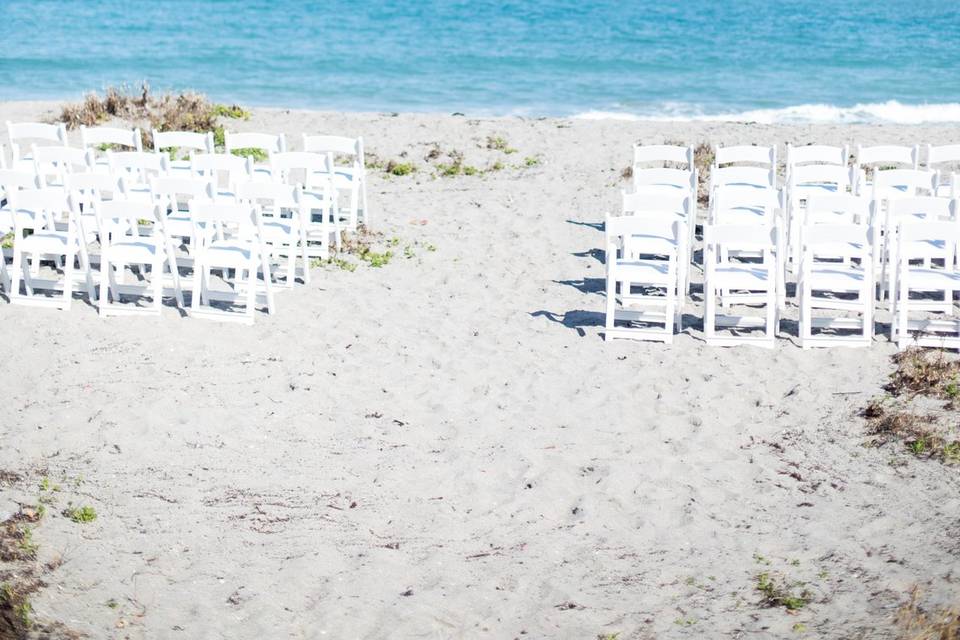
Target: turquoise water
[{"x": 755, "y": 59}]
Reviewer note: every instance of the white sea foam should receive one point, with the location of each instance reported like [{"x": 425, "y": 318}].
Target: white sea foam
[{"x": 890, "y": 112}]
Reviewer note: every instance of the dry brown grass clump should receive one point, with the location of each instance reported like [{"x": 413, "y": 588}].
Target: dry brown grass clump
[
  {"x": 703, "y": 160},
  {"x": 917, "y": 624},
  {"x": 919, "y": 373},
  {"x": 929, "y": 372},
  {"x": 187, "y": 111}
]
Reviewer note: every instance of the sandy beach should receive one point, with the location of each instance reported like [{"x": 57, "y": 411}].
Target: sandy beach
[{"x": 445, "y": 447}]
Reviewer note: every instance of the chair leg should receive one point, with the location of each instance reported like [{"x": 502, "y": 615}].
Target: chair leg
[
  {"x": 611, "y": 305},
  {"x": 68, "y": 280},
  {"x": 271, "y": 308},
  {"x": 709, "y": 310},
  {"x": 105, "y": 268},
  {"x": 363, "y": 198},
  {"x": 196, "y": 291},
  {"x": 156, "y": 275}
]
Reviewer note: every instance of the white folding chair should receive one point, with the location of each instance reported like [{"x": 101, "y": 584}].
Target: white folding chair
[
  {"x": 912, "y": 210},
  {"x": 677, "y": 205},
  {"x": 268, "y": 143},
  {"x": 137, "y": 169},
  {"x": 174, "y": 195},
  {"x": 284, "y": 218},
  {"x": 744, "y": 165},
  {"x": 350, "y": 176},
  {"x": 53, "y": 164},
  {"x": 21, "y": 133},
  {"x": 924, "y": 242},
  {"x": 39, "y": 211},
  {"x": 224, "y": 170},
  {"x": 944, "y": 159},
  {"x": 100, "y": 139},
  {"x": 844, "y": 284},
  {"x": 175, "y": 141},
  {"x": 132, "y": 235},
  {"x": 753, "y": 282},
  {"x": 11, "y": 181},
  {"x": 642, "y": 251},
  {"x": 295, "y": 167},
  {"x": 880, "y": 158},
  {"x": 816, "y": 154},
  {"x": 230, "y": 239},
  {"x": 803, "y": 182}
]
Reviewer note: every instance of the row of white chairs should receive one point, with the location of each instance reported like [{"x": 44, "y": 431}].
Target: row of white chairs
[
  {"x": 746, "y": 198},
  {"x": 836, "y": 279},
  {"x": 813, "y": 166},
  {"x": 88, "y": 219},
  {"x": 343, "y": 164}
]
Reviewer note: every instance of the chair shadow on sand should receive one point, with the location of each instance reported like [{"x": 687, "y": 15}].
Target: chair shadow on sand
[{"x": 596, "y": 226}]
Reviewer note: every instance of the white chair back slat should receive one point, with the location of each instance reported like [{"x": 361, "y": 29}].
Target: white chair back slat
[
  {"x": 267, "y": 142},
  {"x": 662, "y": 153},
  {"x": 816, "y": 154}
]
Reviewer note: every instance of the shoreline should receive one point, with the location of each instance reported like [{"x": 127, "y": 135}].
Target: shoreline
[{"x": 890, "y": 113}]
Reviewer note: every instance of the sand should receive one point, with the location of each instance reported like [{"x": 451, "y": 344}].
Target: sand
[{"x": 445, "y": 447}]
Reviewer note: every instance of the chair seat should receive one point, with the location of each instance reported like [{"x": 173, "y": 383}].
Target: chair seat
[
  {"x": 229, "y": 253},
  {"x": 742, "y": 277},
  {"x": 922, "y": 277},
  {"x": 179, "y": 224},
  {"x": 649, "y": 245},
  {"x": 278, "y": 229},
  {"x": 132, "y": 251},
  {"x": 53, "y": 242},
  {"x": 837, "y": 277},
  {"x": 643, "y": 271}
]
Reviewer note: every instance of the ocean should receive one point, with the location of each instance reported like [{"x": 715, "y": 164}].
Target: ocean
[{"x": 760, "y": 60}]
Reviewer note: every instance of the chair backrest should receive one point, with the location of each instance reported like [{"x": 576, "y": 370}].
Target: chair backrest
[
  {"x": 38, "y": 209},
  {"x": 214, "y": 166},
  {"x": 122, "y": 217},
  {"x": 301, "y": 167},
  {"x": 751, "y": 176},
  {"x": 943, "y": 154},
  {"x": 738, "y": 237},
  {"x": 240, "y": 220},
  {"x": 340, "y": 145},
  {"x": 819, "y": 174},
  {"x": 661, "y": 154},
  {"x": 19, "y": 132},
  {"x": 252, "y": 140},
  {"x": 836, "y": 208},
  {"x": 814, "y": 154},
  {"x": 738, "y": 204},
  {"x": 171, "y": 191},
  {"x": 270, "y": 195},
  {"x": 182, "y": 140},
  {"x": 137, "y": 165},
  {"x": 660, "y": 177},
  {"x": 656, "y": 203},
  {"x": 764, "y": 156},
  {"x": 89, "y": 187},
  {"x": 93, "y": 137},
  {"x": 836, "y": 239},
  {"x": 12, "y": 180},
  {"x": 920, "y": 208},
  {"x": 625, "y": 231},
  {"x": 909, "y": 182},
  {"x": 887, "y": 155},
  {"x": 60, "y": 161},
  {"x": 927, "y": 239}
]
